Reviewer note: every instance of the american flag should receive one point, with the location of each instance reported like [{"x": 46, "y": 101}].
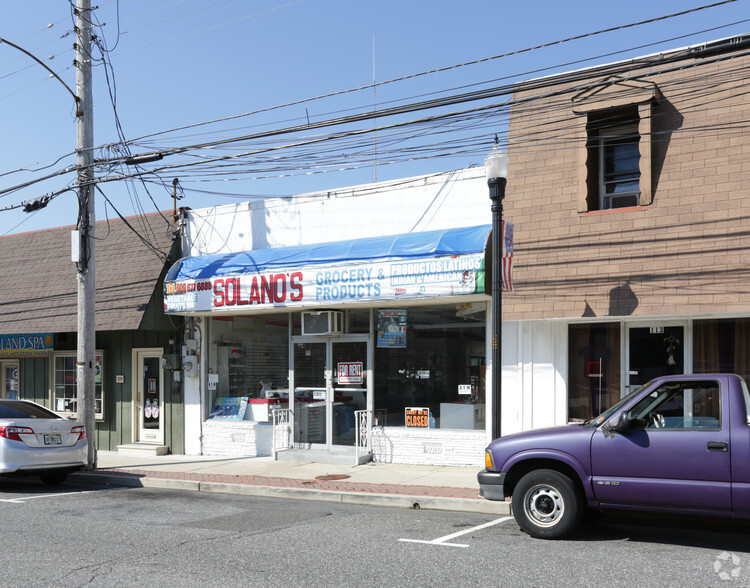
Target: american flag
[{"x": 507, "y": 256}]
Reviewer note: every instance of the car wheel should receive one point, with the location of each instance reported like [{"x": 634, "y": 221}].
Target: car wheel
[
  {"x": 546, "y": 504},
  {"x": 53, "y": 477}
]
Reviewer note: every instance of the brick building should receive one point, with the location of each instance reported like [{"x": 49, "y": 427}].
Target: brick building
[{"x": 628, "y": 191}]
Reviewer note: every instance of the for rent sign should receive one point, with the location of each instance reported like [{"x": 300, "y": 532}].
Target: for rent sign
[{"x": 350, "y": 372}]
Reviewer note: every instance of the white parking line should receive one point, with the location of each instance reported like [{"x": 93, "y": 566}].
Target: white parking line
[
  {"x": 444, "y": 540},
  {"x": 25, "y": 498}
]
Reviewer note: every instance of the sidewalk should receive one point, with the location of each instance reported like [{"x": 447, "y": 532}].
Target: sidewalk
[{"x": 405, "y": 486}]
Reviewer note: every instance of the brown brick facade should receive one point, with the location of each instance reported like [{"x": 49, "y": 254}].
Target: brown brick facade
[{"x": 684, "y": 254}]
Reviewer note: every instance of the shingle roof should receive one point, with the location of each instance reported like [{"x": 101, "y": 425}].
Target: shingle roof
[{"x": 39, "y": 289}]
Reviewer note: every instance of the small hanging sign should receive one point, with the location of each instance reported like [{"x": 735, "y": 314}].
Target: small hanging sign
[
  {"x": 350, "y": 372},
  {"x": 417, "y": 417}
]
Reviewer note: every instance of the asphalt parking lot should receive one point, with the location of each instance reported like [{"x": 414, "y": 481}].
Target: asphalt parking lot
[{"x": 107, "y": 535}]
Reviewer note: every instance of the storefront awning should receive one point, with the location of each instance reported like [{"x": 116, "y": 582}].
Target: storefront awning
[{"x": 432, "y": 263}]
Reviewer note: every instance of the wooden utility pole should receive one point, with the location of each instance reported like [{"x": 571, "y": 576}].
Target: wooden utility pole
[{"x": 86, "y": 267}]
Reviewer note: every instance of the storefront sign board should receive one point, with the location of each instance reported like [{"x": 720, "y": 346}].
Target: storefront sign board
[
  {"x": 449, "y": 275},
  {"x": 30, "y": 345}
]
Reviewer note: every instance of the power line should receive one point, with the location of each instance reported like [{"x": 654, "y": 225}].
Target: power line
[
  {"x": 307, "y": 143},
  {"x": 499, "y": 110},
  {"x": 153, "y": 248},
  {"x": 460, "y": 99},
  {"x": 438, "y": 70},
  {"x": 212, "y": 27}
]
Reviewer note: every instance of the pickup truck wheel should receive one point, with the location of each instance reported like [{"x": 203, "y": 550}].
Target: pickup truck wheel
[{"x": 546, "y": 504}]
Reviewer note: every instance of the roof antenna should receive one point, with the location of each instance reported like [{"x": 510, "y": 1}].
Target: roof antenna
[{"x": 374, "y": 120}]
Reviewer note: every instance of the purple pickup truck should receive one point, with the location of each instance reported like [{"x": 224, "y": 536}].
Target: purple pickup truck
[{"x": 679, "y": 444}]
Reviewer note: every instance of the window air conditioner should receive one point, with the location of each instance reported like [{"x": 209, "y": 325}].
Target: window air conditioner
[
  {"x": 323, "y": 322},
  {"x": 621, "y": 200}
]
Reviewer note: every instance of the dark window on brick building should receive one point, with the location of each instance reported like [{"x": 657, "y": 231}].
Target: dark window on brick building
[{"x": 613, "y": 161}]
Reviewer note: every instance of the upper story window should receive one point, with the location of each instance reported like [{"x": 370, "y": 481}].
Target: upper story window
[
  {"x": 615, "y": 126},
  {"x": 613, "y": 167}
]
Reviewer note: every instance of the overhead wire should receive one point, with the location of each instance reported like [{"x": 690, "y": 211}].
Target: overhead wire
[
  {"x": 101, "y": 44},
  {"x": 439, "y": 70},
  {"x": 452, "y": 101},
  {"x": 212, "y": 27},
  {"x": 154, "y": 249},
  {"x": 224, "y": 144},
  {"x": 539, "y": 46}
]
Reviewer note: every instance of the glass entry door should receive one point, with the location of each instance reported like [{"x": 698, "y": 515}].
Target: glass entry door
[
  {"x": 349, "y": 361},
  {"x": 654, "y": 351},
  {"x": 150, "y": 396},
  {"x": 310, "y": 393},
  {"x": 330, "y": 385}
]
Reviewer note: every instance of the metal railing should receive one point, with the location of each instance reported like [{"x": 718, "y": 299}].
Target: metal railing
[
  {"x": 362, "y": 433},
  {"x": 282, "y": 432}
]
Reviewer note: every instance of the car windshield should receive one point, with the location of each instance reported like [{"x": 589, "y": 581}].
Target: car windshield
[
  {"x": 18, "y": 409},
  {"x": 615, "y": 407}
]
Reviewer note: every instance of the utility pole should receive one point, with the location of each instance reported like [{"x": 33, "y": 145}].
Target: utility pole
[{"x": 86, "y": 267}]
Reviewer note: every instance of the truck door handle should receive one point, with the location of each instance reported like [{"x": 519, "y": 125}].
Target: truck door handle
[{"x": 718, "y": 446}]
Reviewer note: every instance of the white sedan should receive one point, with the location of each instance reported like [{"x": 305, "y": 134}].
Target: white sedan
[{"x": 36, "y": 441}]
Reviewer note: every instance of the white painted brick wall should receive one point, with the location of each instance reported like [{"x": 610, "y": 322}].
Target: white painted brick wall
[
  {"x": 428, "y": 446},
  {"x": 390, "y": 444},
  {"x": 237, "y": 438}
]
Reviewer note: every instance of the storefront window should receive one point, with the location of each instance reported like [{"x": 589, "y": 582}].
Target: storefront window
[
  {"x": 251, "y": 361},
  {"x": 431, "y": 361},
  {"x": 722, "y": 345},
  {"x": 65, "y": 381},
  {"x": 9, "y": 377},
  {"x": 593, "y": 369}
]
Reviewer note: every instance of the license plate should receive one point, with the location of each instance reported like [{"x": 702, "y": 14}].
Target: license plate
[{"x": 53, "y": 439}]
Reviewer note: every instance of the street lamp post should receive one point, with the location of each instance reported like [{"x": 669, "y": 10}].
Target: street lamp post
[{"x": 496, "y": 169}]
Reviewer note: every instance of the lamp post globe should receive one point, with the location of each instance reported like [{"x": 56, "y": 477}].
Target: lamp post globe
[{"x": 496, "y": 164}]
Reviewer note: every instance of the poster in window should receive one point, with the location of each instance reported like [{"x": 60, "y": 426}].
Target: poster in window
[
  {"x": 98, "y": 369},
  {"x": 151, "y": 405},
  {"x": 230, "y": 408},
  {"x": 392, "y": 327}
]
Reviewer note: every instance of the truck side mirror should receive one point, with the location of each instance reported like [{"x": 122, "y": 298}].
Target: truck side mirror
[{"x": 620, "y": 425}]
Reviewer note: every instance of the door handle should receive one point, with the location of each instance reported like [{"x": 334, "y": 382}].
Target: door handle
[{"x": 718, "y": 446}]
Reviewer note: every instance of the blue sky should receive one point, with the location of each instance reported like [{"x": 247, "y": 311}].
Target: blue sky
[{"x": 176, "y": 63}]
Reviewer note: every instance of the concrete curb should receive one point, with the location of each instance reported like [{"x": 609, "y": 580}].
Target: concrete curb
[{"x": 477, "y": 505}]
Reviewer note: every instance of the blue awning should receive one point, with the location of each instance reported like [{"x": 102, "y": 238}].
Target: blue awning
[
  {"x": 431, "y": 264},
  {"x": 428, "y": 244}
]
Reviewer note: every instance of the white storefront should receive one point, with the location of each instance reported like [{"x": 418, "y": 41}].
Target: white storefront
[{"x": 340, "y": 309}]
